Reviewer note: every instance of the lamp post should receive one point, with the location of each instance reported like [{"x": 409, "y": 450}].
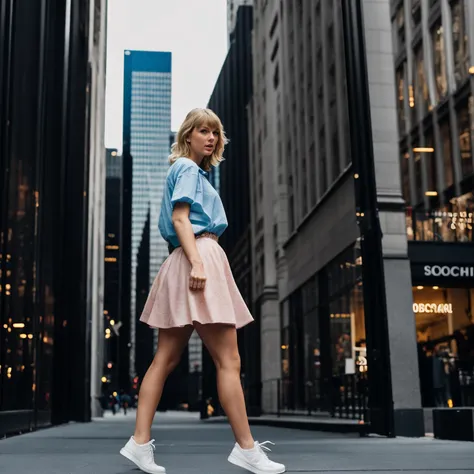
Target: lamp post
[{"x": 375, "y": 306}]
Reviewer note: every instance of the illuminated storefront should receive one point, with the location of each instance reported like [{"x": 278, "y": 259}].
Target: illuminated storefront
[{"x": 443, "y": 305}]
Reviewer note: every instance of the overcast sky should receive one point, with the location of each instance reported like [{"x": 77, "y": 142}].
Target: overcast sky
[{"x": 194, "y": 31}]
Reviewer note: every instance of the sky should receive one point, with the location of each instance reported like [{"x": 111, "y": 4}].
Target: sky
[{"x": 194, "y": 31}]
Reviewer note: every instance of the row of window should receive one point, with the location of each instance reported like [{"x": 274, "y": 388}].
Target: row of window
[{"x": 415, "y": 97}]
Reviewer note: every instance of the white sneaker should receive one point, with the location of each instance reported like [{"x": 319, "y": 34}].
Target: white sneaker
[
  {"x": 255, "y": 460},
  {"x": 142, "y": 455}
]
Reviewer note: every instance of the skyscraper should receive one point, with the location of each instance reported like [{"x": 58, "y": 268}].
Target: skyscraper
[
  {"x": 146, "y": 145},
  {"x": 112, "y": 267},
  {"x": 232, "y": 7}
]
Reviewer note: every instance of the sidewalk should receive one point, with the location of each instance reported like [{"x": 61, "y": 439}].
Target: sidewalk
[{"x": 186, "y": 445}]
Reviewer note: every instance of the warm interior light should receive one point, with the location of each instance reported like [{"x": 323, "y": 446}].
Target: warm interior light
[
  {"x": 422, "y": 149},
  {"x": 431, "y": 193},
  {"x": 18, "y": 325},
  {"x": 435, "y": 287},
  {"x": 419, "y": 287},
  {"x": 471, "y": 70}
]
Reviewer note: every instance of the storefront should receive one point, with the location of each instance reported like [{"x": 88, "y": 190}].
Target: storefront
[
  {"x": 323, "y": 347},
  {"x": 443, "y": 305}
]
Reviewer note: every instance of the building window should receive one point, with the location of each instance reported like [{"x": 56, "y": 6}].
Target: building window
[
  {"x": 399, "y": 31},
  {"x": 465, "y": 144},
  {"x": 347, "y": 323},
  {"x": 420, "y": 88},
  {"x": 445, "y": 131},
  {"x": 405, "y": 175},
  {"x": 335, "y": 152},
  {"x": 401, "y": 99},
  {"x": 418, "y": 179},
  {"x": 322, "y": 162},
  {"x": 430, "y": 160},
  {"x": 460, "y": 41},
  {"x": 312, "y": 170},
  {"x": 439, "y": 56},
  {"x": 451, "y": 223},
  {"x": 304, "y": 179}
]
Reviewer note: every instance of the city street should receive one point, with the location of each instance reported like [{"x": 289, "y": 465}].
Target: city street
[{"x": 186, "y": 445}]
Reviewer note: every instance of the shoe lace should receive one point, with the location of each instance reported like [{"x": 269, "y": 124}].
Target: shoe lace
[
  {"x": 262, "y": 446},
  {"x": 152, "y": 446}
]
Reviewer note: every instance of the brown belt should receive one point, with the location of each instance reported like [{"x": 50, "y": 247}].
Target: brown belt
[{"x": 208, "y": 235}]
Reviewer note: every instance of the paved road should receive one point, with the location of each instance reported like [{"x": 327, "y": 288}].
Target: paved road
[{"x": 187, "y": 446}]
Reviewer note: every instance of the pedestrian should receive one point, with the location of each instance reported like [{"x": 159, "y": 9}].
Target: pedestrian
[
  {"x": 195, "y": 289},
  {"x": 125, "y": 399}
]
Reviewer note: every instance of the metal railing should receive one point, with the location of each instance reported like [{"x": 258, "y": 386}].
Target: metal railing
[{"x": 344, "y": 397}]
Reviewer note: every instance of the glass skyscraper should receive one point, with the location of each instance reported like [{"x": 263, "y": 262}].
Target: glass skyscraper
[{"x": 147, "y": 128}]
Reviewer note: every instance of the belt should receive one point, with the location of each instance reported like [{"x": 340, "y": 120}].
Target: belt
[{"x": 208, "y": 235}]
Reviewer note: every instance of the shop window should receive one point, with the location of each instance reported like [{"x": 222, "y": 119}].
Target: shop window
[
  {"x": 346, "y": 308},
  {"x": 445, "y": 131},
  {"x": 460, "y": 41},
  {"x": 439, "y": 56},
  {"x": 445, "y": 336},
  {"x": 465, "y": 143}
]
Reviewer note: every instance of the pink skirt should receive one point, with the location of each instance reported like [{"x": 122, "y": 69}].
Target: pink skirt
[{"x": 171, "y": 303}]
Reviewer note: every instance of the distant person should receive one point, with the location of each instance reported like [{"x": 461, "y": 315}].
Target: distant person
[
  {"x": 125, "y": 401},
  {"x": 195, "y": 289}
]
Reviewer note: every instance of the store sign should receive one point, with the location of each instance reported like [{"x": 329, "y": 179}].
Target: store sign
[
  {"x": 455, "y": 271},
  {"x": 441, "y": 308}
]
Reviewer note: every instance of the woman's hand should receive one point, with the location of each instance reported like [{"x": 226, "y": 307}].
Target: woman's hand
[{"x": 197, "y": 278}]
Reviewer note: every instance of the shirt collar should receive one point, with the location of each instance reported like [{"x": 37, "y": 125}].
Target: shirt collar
[{"x": 205, "y": 173}]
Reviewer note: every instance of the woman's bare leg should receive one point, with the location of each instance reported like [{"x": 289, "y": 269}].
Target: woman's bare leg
[
  {"x": 171, "y": 343},
  {"x": 221, "y": 342}
]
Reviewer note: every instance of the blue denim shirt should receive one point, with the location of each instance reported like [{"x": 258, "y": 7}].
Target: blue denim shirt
[{"x": 187, "y": 182}]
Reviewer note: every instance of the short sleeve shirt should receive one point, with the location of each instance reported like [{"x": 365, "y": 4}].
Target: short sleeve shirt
[{"x": 187, "y": 182}]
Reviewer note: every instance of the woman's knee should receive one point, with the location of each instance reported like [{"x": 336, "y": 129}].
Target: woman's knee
[
  {"x": 167, "y": 364},
  {"x": 228, "y": 361}
]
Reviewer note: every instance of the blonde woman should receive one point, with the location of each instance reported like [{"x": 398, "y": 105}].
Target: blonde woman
[{"x": 195, "y": 289}]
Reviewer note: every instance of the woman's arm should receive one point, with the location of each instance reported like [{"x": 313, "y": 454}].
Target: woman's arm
[{"x": 184, "y": 231}]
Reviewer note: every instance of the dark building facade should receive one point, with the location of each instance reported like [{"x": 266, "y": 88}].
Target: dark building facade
[
  {"x": 229, "y": 100},
  {"x": 46, "y": 84},
  {"x": 112, "y": 269}
]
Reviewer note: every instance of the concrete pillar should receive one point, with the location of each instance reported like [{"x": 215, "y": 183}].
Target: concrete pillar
[{"x": 398, "y": 287}]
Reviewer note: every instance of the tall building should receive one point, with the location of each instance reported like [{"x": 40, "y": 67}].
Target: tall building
[
  {"x": 434, "y": 51},
  {"x": 52, "y": 163},
  {"x": 146, "y": 139},
  {"x": 113, "y": 269},
  {"x": 232, "y": 9},
  {"x": 306, "y": 229}
]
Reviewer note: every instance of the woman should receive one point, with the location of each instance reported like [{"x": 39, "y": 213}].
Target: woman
[{"x": 195, "y": 289}]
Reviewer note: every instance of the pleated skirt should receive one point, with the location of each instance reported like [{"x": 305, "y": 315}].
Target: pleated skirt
[{"x": 171, "y": 303}]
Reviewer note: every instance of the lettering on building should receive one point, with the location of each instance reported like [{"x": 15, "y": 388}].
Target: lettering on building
[
  {"x": 455, "y": 271},
  {"x": 441, "y": 308}
]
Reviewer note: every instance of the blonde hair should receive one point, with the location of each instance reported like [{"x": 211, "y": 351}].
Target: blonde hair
[{"x": 196, "y": 118}]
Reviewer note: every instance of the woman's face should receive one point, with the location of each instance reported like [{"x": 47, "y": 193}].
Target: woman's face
[{"x": 203, "y": 141}]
